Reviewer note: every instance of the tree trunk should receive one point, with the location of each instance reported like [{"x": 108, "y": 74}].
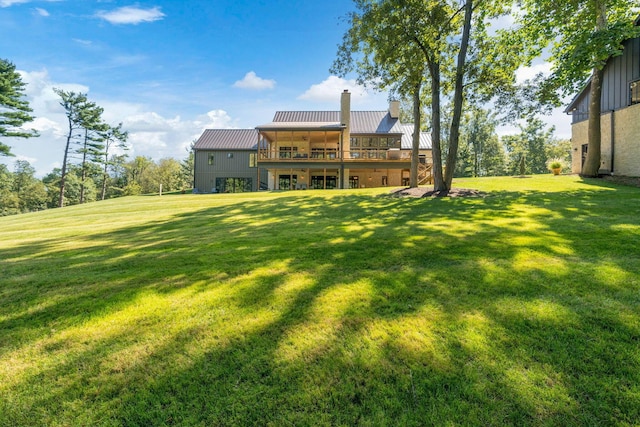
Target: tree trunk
[
  {"x": 592, "y": 162},
  {"x": 458, "y": 96},
  {"x": 436, "y": 149},
  {"x": 63, "y": 171},
  {"x": 84, "y": 167},
  {"x": 415, "y": 148},
  {"x": 105, "y": 176}
]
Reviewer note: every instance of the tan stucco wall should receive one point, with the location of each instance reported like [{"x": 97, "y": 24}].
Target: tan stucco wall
[{"x": 627, "y": 142}]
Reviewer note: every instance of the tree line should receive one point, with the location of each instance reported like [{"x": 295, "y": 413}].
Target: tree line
[{"x": 21, "y": 191}]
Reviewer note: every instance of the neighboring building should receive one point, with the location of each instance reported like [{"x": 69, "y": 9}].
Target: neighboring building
[
  {"x": 225, "y": 161},
  {"x": 313, "y": 149},
  {"x": 620, "y": 121}
]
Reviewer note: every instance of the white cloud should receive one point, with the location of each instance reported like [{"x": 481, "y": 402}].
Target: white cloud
[
  {"x": 42, "y": 12},
  {"x": 527, "y": 73},
  {"x": 131, "y": 15},
  {"x": 331, "y": 88},
  {"x": 83, "y": 42},
  {"x": 253, "y": 82},
  {"x": 150, "y": 133},
  {"x": 7, "y": 3}
]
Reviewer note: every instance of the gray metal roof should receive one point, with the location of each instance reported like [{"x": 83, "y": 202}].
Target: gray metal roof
[
  {"x": 362, "y": 122},
  {"x": 407, "y": 138},
  {"x": 301, "y": 126},
  {"x": 227, "y": 139}
]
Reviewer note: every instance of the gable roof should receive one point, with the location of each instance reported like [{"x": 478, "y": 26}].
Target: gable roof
[
  {"x": 227, "y": 139},
  {"x": 362, "y": 122},
  {"x": 407, "y": 138}
]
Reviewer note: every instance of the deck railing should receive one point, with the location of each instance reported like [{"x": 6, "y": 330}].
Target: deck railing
[{"x": 337, "y": 156}]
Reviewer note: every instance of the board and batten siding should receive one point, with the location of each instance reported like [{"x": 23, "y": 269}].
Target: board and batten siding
[
  {"x": 620, "y": 71},
  {"x": 226, "y": 164}
]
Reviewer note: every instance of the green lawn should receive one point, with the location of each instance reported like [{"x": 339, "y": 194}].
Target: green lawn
[{"x": 345, "y": 307}]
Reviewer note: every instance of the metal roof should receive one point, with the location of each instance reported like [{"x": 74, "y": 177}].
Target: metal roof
[
  {"x": 362, "y": 122},
  {"x": 407, "y": 138},
  {"x": 301, "y": 126},
  {"x": 227, "y": 139}
]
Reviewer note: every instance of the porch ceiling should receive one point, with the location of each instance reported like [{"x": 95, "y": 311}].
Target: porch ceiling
[{"x": 309, "y": 134}]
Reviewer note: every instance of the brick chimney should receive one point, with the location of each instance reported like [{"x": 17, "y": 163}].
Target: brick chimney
[
  {"x": 394, "y": 109},
  {"x": 345, "y": 110}
]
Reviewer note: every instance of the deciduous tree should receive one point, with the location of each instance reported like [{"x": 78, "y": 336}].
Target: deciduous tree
[
  {"x": 448, "y": 40},
  {"x": 583, "y": 35},
  {"x": 530, "y": 144}
]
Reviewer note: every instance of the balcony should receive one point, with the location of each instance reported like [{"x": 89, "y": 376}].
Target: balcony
[{"x": 286, "y": 154}]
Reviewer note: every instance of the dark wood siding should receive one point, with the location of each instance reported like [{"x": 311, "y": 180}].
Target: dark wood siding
[
  {"x": 619, "y": 72},
  {"x": 226, "y": 164}
]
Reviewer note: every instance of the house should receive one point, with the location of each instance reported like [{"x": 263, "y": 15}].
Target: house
[
  {"x": 620, "y": 120},
  {"x": 313, "y": 150},
  {"x": 225, "y": 161}
]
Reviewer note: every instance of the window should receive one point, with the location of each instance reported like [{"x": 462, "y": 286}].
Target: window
[
  {"x": 355, "y": 142},
  {"x": 634, "y": 92},
  {"x": 229, "y": 155},
  {"x": 318, "y": 182},
  {"x": 253, "y": 160},
  {"x": 354, "y": 182},
  {"x": 211, "y": 157},
  {"x": 233, "y": 185},
  {"x": 286, "y": 182},
  {"x": 287, "y": 152}
]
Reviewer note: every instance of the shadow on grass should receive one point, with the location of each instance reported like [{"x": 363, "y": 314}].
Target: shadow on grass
[{"x": 517, "y": 308}]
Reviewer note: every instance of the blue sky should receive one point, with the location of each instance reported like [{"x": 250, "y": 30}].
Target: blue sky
[{"x": 170, "y": 69}]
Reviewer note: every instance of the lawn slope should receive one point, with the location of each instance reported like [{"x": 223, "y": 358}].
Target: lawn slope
[{"x": 346, "y": 307}]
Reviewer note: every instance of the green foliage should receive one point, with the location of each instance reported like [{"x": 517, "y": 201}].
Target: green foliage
[
  {"x": 20, "y": 191},
  {"x": 532, "y": 143},
  {"x": 480, "y": 153},
  {"x": 113, "y": 137},
  {"x": 578, "y": 43},
  {"x": 326, "y": 308},
  {"x": 584, "y": 35},
  {"x": 74, "y": 188},
  {"x": 187, "y": 168},
  {"x": 94, "y": 139},
  {"x": 555, "y": 164},
  {"x": 450, "y": 45},
  {"x": 14, "y": 110}
]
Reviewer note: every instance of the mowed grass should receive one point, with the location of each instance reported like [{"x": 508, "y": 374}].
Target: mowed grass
[{"x": 345, "y": 307}]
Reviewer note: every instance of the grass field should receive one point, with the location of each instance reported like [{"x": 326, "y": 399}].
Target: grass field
[{"x": 345, "y": 307}]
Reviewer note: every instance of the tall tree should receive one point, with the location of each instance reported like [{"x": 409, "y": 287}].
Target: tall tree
[
  {"x": 384, "y": 62},
  {"x": 584, "y": 34},
  {"x": 113, "y": 137},
  {"x": 92, "y": 142},
  {"x": 78, "y": 109},
  {"x": 451, "y": 41},
  {"x": 480, "y": 153},
  {"x": 14, "y": 109}
]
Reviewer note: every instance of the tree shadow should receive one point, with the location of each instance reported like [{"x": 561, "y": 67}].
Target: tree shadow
[{"x": 336, "y": 311}]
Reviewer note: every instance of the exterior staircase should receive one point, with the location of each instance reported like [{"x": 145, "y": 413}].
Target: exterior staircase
[{"x": 424, "y": 174}]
